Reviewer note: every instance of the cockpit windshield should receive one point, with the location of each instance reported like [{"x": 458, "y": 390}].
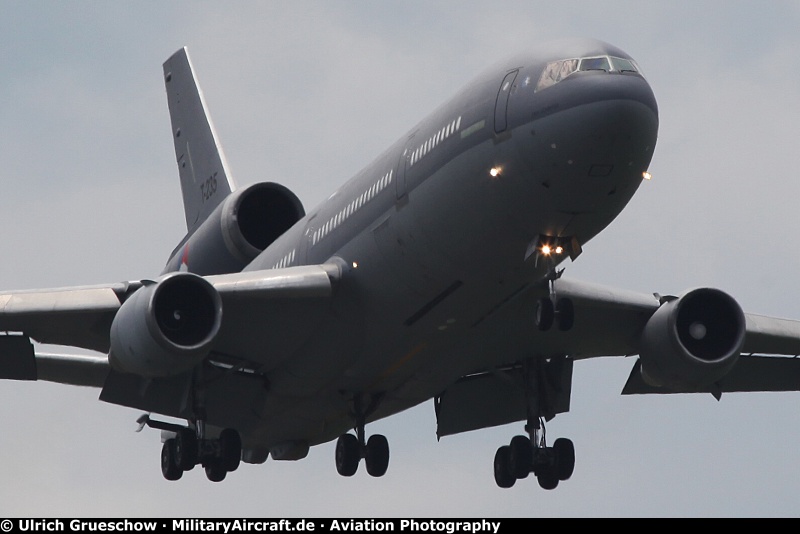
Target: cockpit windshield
[{"x": 556, "y": 71}]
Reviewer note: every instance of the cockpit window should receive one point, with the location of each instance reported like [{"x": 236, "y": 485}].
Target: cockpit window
[
  {"x": 556, "y": 71},
  {"x": 624, "y": 65},
  {"x": 595, "y": 63}
]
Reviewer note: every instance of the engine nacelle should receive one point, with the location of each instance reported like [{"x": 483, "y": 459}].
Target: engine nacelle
[
  {"x": 238, "y": 230},
  {"x": 166, "y": 327},
  {"x": 692, "y": 341}
]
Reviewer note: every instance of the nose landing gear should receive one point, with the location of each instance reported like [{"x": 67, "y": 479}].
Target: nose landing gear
[{"x": 554, "y": 310}]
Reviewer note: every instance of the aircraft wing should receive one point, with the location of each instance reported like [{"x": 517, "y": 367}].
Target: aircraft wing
[
  {"x": 607, "y": 322},
  {"x": 76, "y": 316},
  {"x": 600, "y": 311},
  {"x": 769, "y": 362},
  {"x": 82, "y": 317},
  {"x": 769, "y": 359}
]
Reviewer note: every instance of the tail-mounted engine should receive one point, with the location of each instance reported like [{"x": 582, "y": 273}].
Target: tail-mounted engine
[
  {"x": 242, "y": 226},
  {"x": 693, "y": 340},
  {"x": 166, "y": 327}
]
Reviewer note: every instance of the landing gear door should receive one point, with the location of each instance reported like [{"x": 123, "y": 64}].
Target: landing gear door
[{"x": 501, "y": 105}]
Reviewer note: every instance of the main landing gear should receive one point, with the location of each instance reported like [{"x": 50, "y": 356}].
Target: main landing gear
[
  {"x": 218, "y": 456},
  {"x": 190, "y": 447},
  {"x": 524, "y": 456},
  {"x": 530, "y": 454},
  {"x": 350, "y": 449}
]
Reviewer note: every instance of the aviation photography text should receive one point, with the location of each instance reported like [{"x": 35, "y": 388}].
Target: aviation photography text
[{"x": 249, "y": 525}]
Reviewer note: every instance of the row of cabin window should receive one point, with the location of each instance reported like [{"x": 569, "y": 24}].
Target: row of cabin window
[
  {"x": 354, "y": 206},
  {"x": 286, "y": 261},
  {"x": 431, "y": 143}
]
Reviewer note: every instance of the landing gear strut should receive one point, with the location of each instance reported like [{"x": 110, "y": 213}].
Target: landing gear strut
[
  {"x": 530, "y": 454},
  {"x": 552, "y": 309},
  {"x": 350, "y": 449},
  {"x": 190, "y": 446}
]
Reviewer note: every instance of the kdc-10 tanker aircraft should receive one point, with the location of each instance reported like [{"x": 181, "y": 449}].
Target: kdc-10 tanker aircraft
[{"x": 432, "y": 274}]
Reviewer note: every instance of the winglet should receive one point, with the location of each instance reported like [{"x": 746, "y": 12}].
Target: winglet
[{"x": 204, "y": 174}]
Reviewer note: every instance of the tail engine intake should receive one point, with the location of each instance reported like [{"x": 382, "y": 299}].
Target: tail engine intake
[{"x": 238, "y": 230}]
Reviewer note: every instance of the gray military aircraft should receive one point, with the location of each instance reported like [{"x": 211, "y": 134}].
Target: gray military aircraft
[{"x": 431, "y": 274}]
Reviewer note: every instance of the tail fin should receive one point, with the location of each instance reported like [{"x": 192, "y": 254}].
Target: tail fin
[{"x": 205, "y": 178}]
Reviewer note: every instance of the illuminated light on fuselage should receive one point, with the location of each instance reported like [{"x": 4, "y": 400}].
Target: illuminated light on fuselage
[
  {"x": 355, "y": 265},
  {"x": 494, "y": 172},
  {"x": 647, "y": 176},
  {"x": 547, "y": 250}
]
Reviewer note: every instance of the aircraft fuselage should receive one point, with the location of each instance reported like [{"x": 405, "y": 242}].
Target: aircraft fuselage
[{"x": 443, "y": 228}]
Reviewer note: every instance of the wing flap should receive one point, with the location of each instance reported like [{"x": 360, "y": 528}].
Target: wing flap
[
  {"x": 498, "y": 397},
  {"x": 19, "y": 361},
  {"x": 750, "y": 374}
]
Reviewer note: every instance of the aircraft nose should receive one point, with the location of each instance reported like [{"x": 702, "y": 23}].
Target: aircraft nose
[
  {"x": 595, "y": 87},
  {"x": 589, "y": 146},
  {"x": 593, "y": 131}
]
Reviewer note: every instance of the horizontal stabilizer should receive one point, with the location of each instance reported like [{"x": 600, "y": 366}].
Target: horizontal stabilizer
[{"x": 750, "y": 374}]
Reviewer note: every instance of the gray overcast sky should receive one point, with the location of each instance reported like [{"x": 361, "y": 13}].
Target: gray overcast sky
[{"x": 306, "y": 93}]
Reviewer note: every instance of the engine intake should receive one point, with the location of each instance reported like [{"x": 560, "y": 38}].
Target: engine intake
[
  {"x": 692, "y": 341},
  {"x": 167, "y": 327},
  {"x": 238, "y": 230}
]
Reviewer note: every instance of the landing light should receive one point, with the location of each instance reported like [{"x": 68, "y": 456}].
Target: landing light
[
  {"x": 547, "y": 250},
  {"x": 647, "y": 176},
  {"x": 495, "y": 172}
]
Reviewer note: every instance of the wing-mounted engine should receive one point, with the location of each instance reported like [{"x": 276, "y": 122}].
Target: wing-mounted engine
[
  {"x": 693, "y": 340},
  {"x": 238, "y": 230},
  {"x": 166, "y": 327}
]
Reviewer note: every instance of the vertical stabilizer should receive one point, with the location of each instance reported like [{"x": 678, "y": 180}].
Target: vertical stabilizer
[{"x": 205, "y": 178}]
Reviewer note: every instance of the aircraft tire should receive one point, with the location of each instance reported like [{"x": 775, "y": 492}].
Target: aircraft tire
[
  {"x": 545, "y": 314},
  {"x": 348, "y": 455},
  {"x": 565, "y": 312},
  {"x": 548, "y": 477},
  {"x": 230, "y": 444},
  {"x": 377, "y": 458},
  {"x": 565, "y": 458},
  {"x": 186, "y": 449},
  {"x": 502, "y": 468},
  {"x": 520, "y": 457},
  {"x": 215, "y": 471},
  {"x": 169, "y": 467}
]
